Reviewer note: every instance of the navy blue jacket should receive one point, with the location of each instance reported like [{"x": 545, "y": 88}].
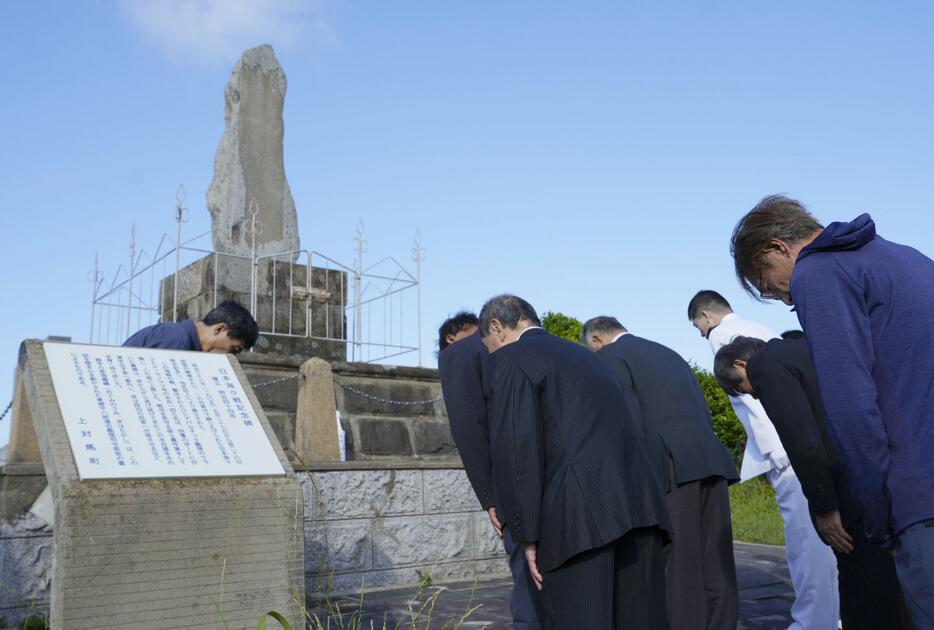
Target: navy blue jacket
[
  {"x": 461, "y": 365},
  {"x": 570, "y": 469},
  {"x": 867, "y": 307},
  {"x": 170, "y": 335},
  {"x": 669, "y": 401}
]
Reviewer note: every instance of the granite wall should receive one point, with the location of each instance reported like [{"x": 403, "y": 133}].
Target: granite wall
[{"x": 390, "y": 527}]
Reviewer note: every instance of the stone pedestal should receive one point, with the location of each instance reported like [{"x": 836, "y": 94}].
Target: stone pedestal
[
  {"x": 296, "y": 317},
  {"x": 166, "y": 553}
]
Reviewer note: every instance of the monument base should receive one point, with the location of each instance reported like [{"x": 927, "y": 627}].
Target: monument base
[{"x": 297, "y": 315}]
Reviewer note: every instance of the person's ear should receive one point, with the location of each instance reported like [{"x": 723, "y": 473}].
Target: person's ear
[
  {"x": 777, "y": 246},
  {"x": 739, "y": 363},
  {"x": 220, "y": 329},
  {"x": 449, "y": 338}
]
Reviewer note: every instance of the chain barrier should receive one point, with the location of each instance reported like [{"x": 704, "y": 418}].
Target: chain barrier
[
  {"x": 274, "y": 381},
  {"x": 353, "y": 390},
  {"x": 6, "y": 411},
  {"x": 404, "y": 403}
]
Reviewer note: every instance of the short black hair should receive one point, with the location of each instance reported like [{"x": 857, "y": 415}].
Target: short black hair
[
  {"x": 454, "y": 324},
  {"x": 509, "y": 310},
  {"x": 793, "y": 334},
  {"x": 600, "y": 324},
  {"x": 240, "y": 324},
  {"x": 707, "y": 300},
  {"x": 740, "y": 349}
]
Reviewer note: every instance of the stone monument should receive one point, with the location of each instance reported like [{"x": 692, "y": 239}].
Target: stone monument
[
  {"x": 249, "y": 171},
  {"x": 164, "y": 516},
  {"x": 300, "y": 309}
]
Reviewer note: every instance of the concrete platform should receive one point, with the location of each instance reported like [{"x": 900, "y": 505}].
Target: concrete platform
[{"x": 764, "y": 589}]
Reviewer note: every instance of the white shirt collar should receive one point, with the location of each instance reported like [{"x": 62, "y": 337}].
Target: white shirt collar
[
  {"x": 625, "y": 332},
  {"x": 526, "y": 330}
]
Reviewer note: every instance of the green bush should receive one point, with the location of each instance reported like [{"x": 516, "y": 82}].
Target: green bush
[
  {"x": 563, "y": 326},
  {"x": 725, "y": 423}
]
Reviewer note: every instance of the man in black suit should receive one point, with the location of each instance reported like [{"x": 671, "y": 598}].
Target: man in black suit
[
  {"x": 692, "y": 465},
  {"x": 573, "y": 481},
  {"x": 461, "y": 363},
  {"x": 781, "y": 375}
]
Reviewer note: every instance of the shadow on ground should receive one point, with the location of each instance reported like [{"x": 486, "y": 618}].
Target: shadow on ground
[{"x": 765, "y": 594}]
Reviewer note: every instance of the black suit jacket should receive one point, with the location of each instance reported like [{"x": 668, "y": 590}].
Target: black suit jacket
[
  {"x": 785, "y": 381},
  {"x": 569, "y": 463},
  {"x": 677, "y": 421},
  {"x": 461, "y": 365}
]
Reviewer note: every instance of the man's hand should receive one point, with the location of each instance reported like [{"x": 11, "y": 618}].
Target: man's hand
[
  {"x": 831, "y": 530},
  {"x": 531, "y": 555},
  {"x": 495, "y": 521},
  {"x": 779, "y": 459}
]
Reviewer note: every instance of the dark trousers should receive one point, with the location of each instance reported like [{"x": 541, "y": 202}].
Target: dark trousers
[
  {"x": 701, "y": 573},
  {"x": 914, "y": 562},
  {"x": 526, "y": 603},
  {"x": 620, "y": 586},
  {"x": 868, "y": 585}
]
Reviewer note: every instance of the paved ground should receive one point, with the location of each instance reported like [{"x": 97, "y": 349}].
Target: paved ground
[{"x": 764, "y": 589}]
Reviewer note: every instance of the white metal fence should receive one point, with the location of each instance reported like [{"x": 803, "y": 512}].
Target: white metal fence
[{"x": 374, "y": 308}]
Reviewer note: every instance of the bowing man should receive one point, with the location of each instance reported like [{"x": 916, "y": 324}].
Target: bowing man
[
  {"x": 462, "y": 365},
  {"x": 693, "y": 467},
  {"x": 781, "y": 375},
  {"x": 573, "y": 482}
]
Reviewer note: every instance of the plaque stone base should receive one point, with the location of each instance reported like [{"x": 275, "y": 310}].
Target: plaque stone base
[{"x": 210, "y": 552}]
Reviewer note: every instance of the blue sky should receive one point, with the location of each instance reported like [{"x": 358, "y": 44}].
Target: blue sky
[{"x": 591, "y": 157}]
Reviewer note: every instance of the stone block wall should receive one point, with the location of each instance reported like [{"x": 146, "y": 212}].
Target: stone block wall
[
  {"x": 375, "y": 430},
  {"x": 367, "y": 529},
  {"x": 414, "y": 425}
]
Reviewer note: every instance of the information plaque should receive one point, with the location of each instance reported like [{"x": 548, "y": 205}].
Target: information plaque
[{"x": 140, "y": 413}]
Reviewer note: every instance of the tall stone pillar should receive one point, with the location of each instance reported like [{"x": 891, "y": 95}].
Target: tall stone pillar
[{"x": 249, "y": 167}]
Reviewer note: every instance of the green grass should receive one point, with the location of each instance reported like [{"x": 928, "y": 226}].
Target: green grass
[{"x": 755, "y": 513}]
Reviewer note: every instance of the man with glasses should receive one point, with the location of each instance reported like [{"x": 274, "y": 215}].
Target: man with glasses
[
  {"x": 228, "y": 329},
  {"x": 866, "y": 307}
]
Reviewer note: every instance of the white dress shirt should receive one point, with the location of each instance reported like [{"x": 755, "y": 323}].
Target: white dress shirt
[
  {"x": 524, "y": 331},
  {"x": 625, "y": 332},
  {"x": 761, "y": 436}
]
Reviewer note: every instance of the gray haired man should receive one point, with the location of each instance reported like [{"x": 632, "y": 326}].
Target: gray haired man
[
  {"x": 693, "y": 467},
  {"x": 573, "y": 482},
  {"x": 865, "y": 304}
]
